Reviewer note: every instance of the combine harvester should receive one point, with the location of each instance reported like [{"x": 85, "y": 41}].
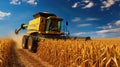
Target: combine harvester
[{"x": 44, "y": 25}]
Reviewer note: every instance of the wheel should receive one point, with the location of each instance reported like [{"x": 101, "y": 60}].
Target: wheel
[
  {"x": 24, "y": 42},
  {"x": 32, "y": 44},
  {"x": 34, "y": 50}
]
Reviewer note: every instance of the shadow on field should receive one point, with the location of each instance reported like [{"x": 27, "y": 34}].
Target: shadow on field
[{"x": 13, "y": 60}]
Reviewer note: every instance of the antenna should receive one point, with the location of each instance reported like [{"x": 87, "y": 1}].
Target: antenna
[
  {"x": 66, "y": 23},
  {"x": 67, "y": 31}
]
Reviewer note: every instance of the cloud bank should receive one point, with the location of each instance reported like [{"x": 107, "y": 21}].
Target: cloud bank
[
  {"x": 86, "y": 4},
  {"x": 110, "y": 30}
]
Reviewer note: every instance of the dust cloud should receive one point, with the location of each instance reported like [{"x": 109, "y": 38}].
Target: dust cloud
[{"x": 17, "y": 38}]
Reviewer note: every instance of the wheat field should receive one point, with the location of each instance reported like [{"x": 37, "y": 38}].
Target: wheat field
[
  {"x": 79, "y": 53},
  {"x": 5, "y": 49},
  {"x": 71, "y": 53}
]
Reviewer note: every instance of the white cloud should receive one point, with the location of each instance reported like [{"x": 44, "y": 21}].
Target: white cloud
[
  {"x": 92, "y": 19},
  {"x": 4, "y": 14},
  {"x": 79, "y": 33},
  {"x": 117, "y": 23},
  {"x": 105, "y": 27},
  {"x": 108, "y": 26},
  {"x": 76, "y": 4},
  {"x": 101, "y": 33},
  {"x": 18, "y": 2},
  {"x": 76, "y": 19},
  {"x": 109, "y": 32},
  {"x": 86, "y": 1},
  {"x": 89, "y": 5},
  {"x": 108, "y": 3},
  {"x": 83, "y": 33},
  {"x": 33, "y": 2},
  {"x": 84, "y": 25},
  {"x": 85, "y": 4},
  {"x": 15, "y": 2}
]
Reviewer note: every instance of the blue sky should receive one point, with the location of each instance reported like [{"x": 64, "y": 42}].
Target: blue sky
[{"x": 95, "y": 18}]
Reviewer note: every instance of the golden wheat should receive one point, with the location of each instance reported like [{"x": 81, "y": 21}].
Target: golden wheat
[
  {"x": 5, "y": 48},
  {"x": 80, "y": 53}
]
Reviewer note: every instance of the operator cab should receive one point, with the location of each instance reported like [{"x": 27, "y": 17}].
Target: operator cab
[
  {"x": 53, "y": 24},
  {"x": 49, "y": 23}
]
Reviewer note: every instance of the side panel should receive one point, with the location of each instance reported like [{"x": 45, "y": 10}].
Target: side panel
[
  {"x": 43, "y": 24},
  {"x": 33, "y": 25}
]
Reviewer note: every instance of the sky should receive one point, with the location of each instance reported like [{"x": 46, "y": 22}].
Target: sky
[{"x": 94, "y": 18}]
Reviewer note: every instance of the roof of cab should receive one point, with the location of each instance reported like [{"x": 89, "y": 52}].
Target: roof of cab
[{"x": 44, "y": 14}]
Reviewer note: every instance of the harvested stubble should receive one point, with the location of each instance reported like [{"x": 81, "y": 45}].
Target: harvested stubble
[
  {"x": 79, "y": 53},
  {"x": 5, "y": 48}
]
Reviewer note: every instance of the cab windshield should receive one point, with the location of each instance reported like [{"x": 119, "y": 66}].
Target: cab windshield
[{"x": 53, "y": 25}]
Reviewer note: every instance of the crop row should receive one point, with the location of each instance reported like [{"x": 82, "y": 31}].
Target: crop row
[{"x": 79, "y": 53}]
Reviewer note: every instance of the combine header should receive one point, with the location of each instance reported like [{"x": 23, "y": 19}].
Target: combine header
[{"x": 44, "y": 25}]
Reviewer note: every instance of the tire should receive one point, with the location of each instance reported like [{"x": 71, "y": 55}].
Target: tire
[
  {"x": 32, "y": 44},
  {"x": 25, "y": 42},
  {"x": 35, "y": 47}
]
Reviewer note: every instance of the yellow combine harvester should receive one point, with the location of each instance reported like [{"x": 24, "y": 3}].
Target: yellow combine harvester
[{"x": 43, "y": 25}]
